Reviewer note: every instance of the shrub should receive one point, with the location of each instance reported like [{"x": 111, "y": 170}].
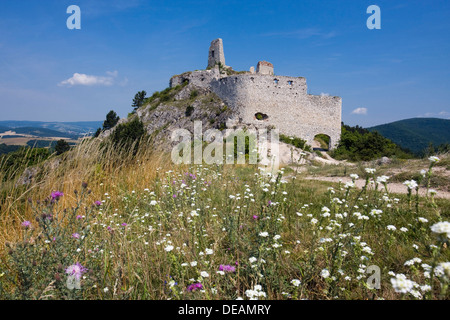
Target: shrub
[
  {"x": 357, "y": 143},
  {"x": 295, "y": 141},
  {"x": 61, "y": 146},
  {"x": 189, "y": 111},
  {"x": 128, "y": 135}
]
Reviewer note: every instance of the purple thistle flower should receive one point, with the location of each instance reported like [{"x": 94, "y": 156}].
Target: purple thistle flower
[
  {"x": 195, "y": 286},
  {"x": 79, "y": 217},
  {"x": 77, "y": 270},
  {"x": 255, "y": 217},
  {"x": 76, "y": 235},
  {"x": 124, "y": 224},
  {"x": 227, "y": 268},
  {"x": 98, "y": 203},
  {"x": 56, "y": 195},
  {"x": 26, "y": 224}
]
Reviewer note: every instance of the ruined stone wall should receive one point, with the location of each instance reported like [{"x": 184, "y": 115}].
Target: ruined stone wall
[
  {"x": 264, "y": 67},
  {"x": 200, "y": 78},
  {"x": 285, "y": 102}
]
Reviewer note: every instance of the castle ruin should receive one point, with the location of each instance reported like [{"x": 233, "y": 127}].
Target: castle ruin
[{"x": 263, "y": 99}]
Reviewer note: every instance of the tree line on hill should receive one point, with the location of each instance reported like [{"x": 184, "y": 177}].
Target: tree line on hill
[{"x": 359, "y": 144}]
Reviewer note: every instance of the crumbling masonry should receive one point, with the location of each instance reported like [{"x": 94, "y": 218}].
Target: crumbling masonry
[{"x": 263, "y": 99}]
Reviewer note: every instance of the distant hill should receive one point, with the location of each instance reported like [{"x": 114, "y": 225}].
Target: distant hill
[
  {"x": 79, "y": 128},
  {"x": 415, "y": 134},
  {"x": 43, "y": 132}
]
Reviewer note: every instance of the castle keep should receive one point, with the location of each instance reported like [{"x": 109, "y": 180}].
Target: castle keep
[{"x": 263, "y": 99}]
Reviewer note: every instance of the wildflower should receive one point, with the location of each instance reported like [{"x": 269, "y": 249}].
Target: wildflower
[
  {"x": 401, "y": 284},
  {"x": 79, "y": 217},
  {"x": 325, "y": 273},
  {"x": 26, "y": 224},
  {"x": 411, "y": 184},
  {"x": 425, "y": 288},
  {"x": 391, "y": 227},
  {"x": 153, "y": 203},
  {"x": 349, "y": 185},
  {"x": 434, "y": 159},
  {"x": 264, "y": 234},
  {"x": 256, "y": 292},
  {"x": 172, "y": 283},
  {"x": 98, "y": 203},
  {"x": 423, "y": 220},
  {"x": 76, "y": 235},
  {"x": 194, "y": 213},
  {"x": 105, "y": 290},
  {"x": 370, "y": 170},
  {"x": 382, "y": 179},
  {"x": 314, "y": 220},
  {"x": 252, "y": 259},
  {"x": 325, "y": 214},
  {"x": 124, "y": 224},
  {"x": 56, "y": 195},
  {"x": 204, "y": 274},
  {"x": 375, "y": 212},
  {"x": 412, "y": 261},
  {"x": 296, "y": 282},
  {"x": 441, "y": 228},
  {"x": 168, "y": 248},
  {"x": 209, "y": 251},
  {"x": 255, "y": 217},
  {"x": 193, "y": 263},
  {"x": 76, "y": 270},
  {"x": 445, "y": 268},
  {"x": 227, "y": 268}
]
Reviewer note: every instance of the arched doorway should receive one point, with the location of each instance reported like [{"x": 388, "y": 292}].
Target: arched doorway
[{"x": 321, "y": 142}]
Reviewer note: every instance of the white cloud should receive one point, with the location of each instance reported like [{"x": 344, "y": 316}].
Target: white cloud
[
  {"x": 81, "y": 79},
  {"x": 442, "y": 114},
  {"x": 360, "y": 111}
]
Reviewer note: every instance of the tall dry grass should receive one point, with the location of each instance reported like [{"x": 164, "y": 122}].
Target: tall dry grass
[{"x": 92, "y": 161}]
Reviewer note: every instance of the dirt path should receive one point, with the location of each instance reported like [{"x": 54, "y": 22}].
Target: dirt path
[{"x": 392, "y": 187}]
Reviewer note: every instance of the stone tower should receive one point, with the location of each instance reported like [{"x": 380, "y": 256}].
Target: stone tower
[{"x": 216, "y": 54}]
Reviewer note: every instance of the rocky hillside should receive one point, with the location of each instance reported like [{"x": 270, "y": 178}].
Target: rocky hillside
[{"x": 178, "y": 108}]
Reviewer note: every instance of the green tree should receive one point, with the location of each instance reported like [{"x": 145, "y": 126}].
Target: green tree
[
  {"x": 111, "y": 120},
  {"x": 62, "y": 146},
  {"x": 138, "y": 100},
  {"x": 97, "y": 133}
]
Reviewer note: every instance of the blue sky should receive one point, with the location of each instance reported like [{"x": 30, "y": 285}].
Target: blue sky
[{"x": 124, "y": 46}]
